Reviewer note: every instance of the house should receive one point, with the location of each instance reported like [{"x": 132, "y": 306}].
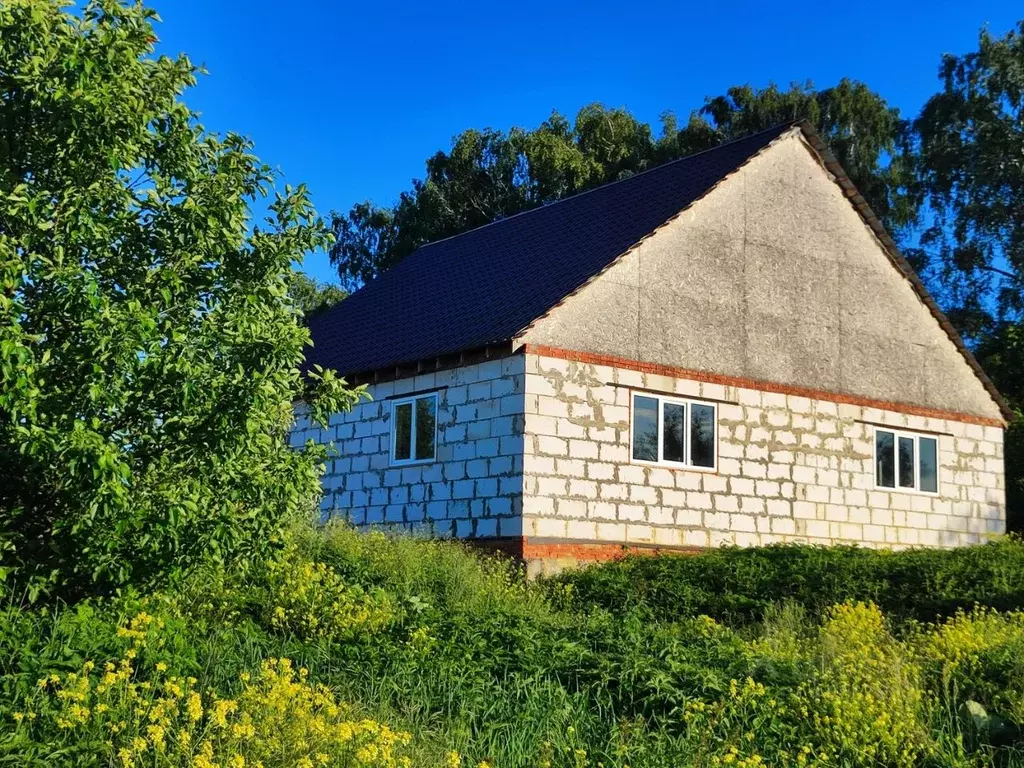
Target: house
[{"x": 726, "y": 349}]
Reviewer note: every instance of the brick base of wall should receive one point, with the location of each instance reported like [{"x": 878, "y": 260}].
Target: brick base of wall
[{"x": 548, "y": 556}]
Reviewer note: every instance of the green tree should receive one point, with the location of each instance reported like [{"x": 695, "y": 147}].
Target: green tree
[
  {"x": 311, "y": 296},
  {"x": 1002, "y": 354},
  {"x": 971, "y": 162},
  {"x": 492, "y": 174},
  {"x": 868, "y": 137},
  {"x": 488, "y": 175},
  {"x": 149, "y": 354}
]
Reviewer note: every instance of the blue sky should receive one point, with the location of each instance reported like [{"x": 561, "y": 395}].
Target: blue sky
[{"x": 351, "y": 98}]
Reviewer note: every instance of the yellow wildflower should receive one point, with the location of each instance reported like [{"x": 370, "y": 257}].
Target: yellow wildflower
[{"x": 194, "y": 707}]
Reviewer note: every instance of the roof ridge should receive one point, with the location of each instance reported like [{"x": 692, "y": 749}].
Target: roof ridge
[
  {"x": 787, "y": 124},
  {"x": 783, "y": 129}
]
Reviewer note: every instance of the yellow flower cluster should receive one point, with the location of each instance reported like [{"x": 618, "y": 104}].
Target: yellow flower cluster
[
  {"x": 421, "y": 641},
  {"x": 312, "y": 600},
  {"x": 866, "y": 704},
  {"x": 962, "y": 640},
  {"x": 960, "y": 652},
  {"x": 278, "y": 719},
  {"x": 863, "y": 703},
  {"x": 292, "y": 716},
  {"x": 563, "y": 754},
  {"x": 724, "y": 725},
  {"x": 139, "y": 628}
]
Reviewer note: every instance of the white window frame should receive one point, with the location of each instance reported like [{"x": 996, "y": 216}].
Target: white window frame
[
  {"x": 896, "y": 487},
  {"x": 413, "y": 424},
  {"x": 661, "y": 462}
]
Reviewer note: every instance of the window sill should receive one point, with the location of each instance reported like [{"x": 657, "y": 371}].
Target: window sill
[
  {"x": 674, "y": 466},
  {"x": 909, "y": 491},
  {"x": 411, "y": 462}
]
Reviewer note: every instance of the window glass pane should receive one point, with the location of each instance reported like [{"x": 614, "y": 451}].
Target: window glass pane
[
  {"x": 885, "y": 464},
  {"x": 702, "y": 435},
  {"x": 906, "y": 462},
  {"x": 425, "y": 427},
  {"x": 929, "y": 463},
  {"x": 403, "y": 431},
  {"x": 645, "y": 428},
  {"x": 672, "y": 436}
]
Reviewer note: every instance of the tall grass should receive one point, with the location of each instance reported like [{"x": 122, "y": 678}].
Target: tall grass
[{"x": 591, "y": 669}]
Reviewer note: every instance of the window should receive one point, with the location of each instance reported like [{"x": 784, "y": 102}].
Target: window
[
  {"x": 906, "y": 461},
  {"x": 673, "y": 432},
  {"x": 414, "y": 429}
]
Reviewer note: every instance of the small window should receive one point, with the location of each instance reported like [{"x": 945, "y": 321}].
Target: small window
[
  {"x": 906, "y": 461},
  {"x": 673, "y": 432},
  {"x": 414, "y": 429}
]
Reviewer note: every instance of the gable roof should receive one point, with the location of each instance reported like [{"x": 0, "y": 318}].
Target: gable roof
[
  {"x": 486, "y": 285},
  {"x": 483, "y": 287}
]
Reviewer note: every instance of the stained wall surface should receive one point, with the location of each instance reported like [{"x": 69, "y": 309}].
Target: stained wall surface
[{"x": 790, "y": 468}]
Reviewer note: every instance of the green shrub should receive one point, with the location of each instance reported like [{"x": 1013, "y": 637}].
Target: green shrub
[
  {"x": 450, "y": 575},
  {"x": 310, "y": 599},
  {"x": 149, "y": 352},
  {"x": 975, "y": 660},
  {"x": 122, "y": 714},
  {"x": 865, "y": 705},
  {"x": 740, "y": 585}
]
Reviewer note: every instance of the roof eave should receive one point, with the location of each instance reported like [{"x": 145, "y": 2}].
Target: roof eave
[{"x": 403, "y": 370}]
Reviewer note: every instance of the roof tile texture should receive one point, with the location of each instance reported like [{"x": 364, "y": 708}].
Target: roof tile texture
[{"x": 484, "y": 286}]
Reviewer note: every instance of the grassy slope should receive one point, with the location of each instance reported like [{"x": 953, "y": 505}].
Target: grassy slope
[{"x": 612, "y": 666}]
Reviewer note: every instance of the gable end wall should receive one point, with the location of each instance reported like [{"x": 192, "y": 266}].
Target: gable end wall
[{"x": 773, "y": 276}]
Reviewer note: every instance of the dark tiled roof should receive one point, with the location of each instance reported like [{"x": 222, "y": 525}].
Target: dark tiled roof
[{"x": 484, "y": 286}]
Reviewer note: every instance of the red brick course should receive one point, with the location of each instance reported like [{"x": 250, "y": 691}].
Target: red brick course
[
  {"x": 763, "y": 386},
  {"x": 524, "y": 548}
]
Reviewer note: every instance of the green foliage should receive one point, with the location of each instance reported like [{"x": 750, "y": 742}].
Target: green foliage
[
  {"x": 490, "y": 174},
  {"x": 1014, "y": 452},
  {"x": 477, "y": 665},
  {"x": 133, "y": 712},
  {"x": 741, "y": 585},
  {"x": 311, "y": 599},
  {"x": 971, "y": 137},
  {"x": 1000, "y": 350},
  {"x": 150, "y": 345},
  {"x": 976, "y": 656},
  {"x": 311, "y": 297},
  {"x": 149, "y": 354}
]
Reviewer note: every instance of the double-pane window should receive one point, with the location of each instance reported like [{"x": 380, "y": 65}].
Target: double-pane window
[
  {"x": 673, "y": 432},
  {"x": 906, "y": 461},
  {"x": 414, "y": 431}
]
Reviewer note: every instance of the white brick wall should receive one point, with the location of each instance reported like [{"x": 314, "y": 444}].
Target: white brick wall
[
  {"x": 790, "y": 469},
  {"x": 475, "y": 486},
  {"x": 539, "y": 446}
]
